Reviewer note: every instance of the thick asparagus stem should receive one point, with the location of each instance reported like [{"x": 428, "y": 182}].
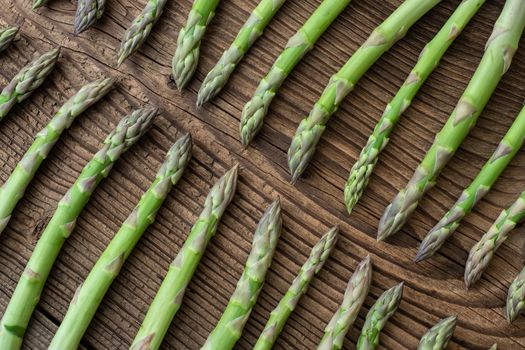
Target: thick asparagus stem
[
  {"x": 498, "y": 55},
  {"x": 7, "y": 36},
  {"x": 278, "y": 317},
  {"x": 481, "y": 185},
  {"x": 89, "y": 294},
  {"x": 428, "y": 60},
  {"x": 171, "y": 292},
  {"x": 27, "y": 80},
  {"x": 249, "y": 33},
  {"x": 230, "y": 326},
  {"x": 482, "y": 253},
  {"x": 31, "y": 283},
  {"x": 381, "y": 40},
  {"x": 345, "y": 316},
  {"x": 516, "y": 297},
  {"x": 377, "y": 317},
  {"x": 140, "y": 29},
  {"x": 13, "y": 189},
  {"x": 298, "y": 45},
  {"x": 437, "y": 337},
  {"x": 88, "y": 12},
  {"x": 187, "y": 54}
]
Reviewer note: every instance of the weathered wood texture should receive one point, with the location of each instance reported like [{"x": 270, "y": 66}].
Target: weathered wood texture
[{"x": 434, "y": 289}]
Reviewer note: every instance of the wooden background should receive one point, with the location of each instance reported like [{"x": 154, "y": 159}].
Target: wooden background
[{"x": 434, "y": 289}]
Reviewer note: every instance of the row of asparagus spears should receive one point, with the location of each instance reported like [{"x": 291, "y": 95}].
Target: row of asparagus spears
[{"x": 169, "y": 298}]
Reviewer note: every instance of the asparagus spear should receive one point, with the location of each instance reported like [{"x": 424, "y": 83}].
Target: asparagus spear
[
  {"x": 345, "y": 316},
  {"x": 13, "y": 189},
  {"x": 140, "y": 29},
  {"x": 186, "y": 56},
  {"x": 483, "y": 251},
  {"x": 381, "y": 40},
  {"x": 171, "y": 292},
  {"x": 230, "y": 326},
  {"x": 437, "y": 337},
  {"x": 6, "y": 37},
  {"x": 377, "y": 317},
  {"x": 31, "y": 283},
  {"x": 278, "y": 317},
  {"x": 27, "y": 81},
  {"x": 506, "y": 150},
  {"x": 89, "y": 294},
  {"x": 495, "y": 62},
  {"x": 88, "y": 11},
  {"x": 298, "y": 45},
  {"x": 427, "y": 62},
  {"x": 516, "y": 297},
  {"x": 249, "y": 33}
]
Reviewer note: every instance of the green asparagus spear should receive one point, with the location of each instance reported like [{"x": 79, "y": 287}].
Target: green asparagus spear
[
  {"x": 171, "y": 292},
  {"x": 249, "y": 33},
  {"x": 427, "y": 62},
  {"x": 381, "y": 40},
  {"x": 140, "y": 29},
  {"x": 88, "y": 11},
  {"x": 6, "y": 37},
  {"x": 31, "y": 283},
  {"x": 506, "y": 150},
  {"x": 377, "y": 317},
  {"x": 495, "y": 62},
  {"x": 89, "y": 294},
  {"x": 230, "y": 326},
  {"x": 13, "y": 189},
  {"x": 516, "y": 297},
  {"x": 345, "y": 316},
  {"x": 27, "y": 81},
  {"x": 483, "y": 251},
  {"x": 298, "y": 45},
  {"x": 437, "y": 337},
  {"x": 278, "y": 317},
  {"x": 38, "y": 3},
  {"x": 186, "y": 56}
]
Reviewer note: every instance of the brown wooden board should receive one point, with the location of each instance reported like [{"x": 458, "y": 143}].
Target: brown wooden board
[{"x": 434, "y": 289}]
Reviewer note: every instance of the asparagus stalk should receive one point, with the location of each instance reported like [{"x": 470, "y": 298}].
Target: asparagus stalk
[
  {"x": 482, "y": 253},
  {"x": 7, "y": 36},
  {"x": 516, "y": 297},
  {"x": 140, "y": 29},
  {"x": 186, "y": 56},
  {"x": 13, "y": 189},
  {"x": 249, "y": 33},
  {"x": 171, "y": 292},
  {"x": 31, "y": 283},
  {"x": 298, "y": 45},
  {"x": 88, "y": 11},
  {"x": 27, "y": 81},
  {"x": 381, "y": 40},
  {"x": 89, "y": 294},
  {"x": 345, "y": 316},
  {"x": 427, "y": 62},
  {"x": 230, "y": 326},
  {"x": 377, "y": 317},
  {"x": 39, "y": 3},
  {"x": 495, "y": 62},
  {"x": 437, "y": 337},
  {"x": 506, "y": 150},
  {"x": 278, "y": 317}
]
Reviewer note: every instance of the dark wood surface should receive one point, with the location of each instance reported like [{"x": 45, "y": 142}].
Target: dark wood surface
[{"x": 434, "y": 289}]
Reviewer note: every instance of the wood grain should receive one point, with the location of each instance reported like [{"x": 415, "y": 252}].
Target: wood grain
[{"x": 434, "y": 289}]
